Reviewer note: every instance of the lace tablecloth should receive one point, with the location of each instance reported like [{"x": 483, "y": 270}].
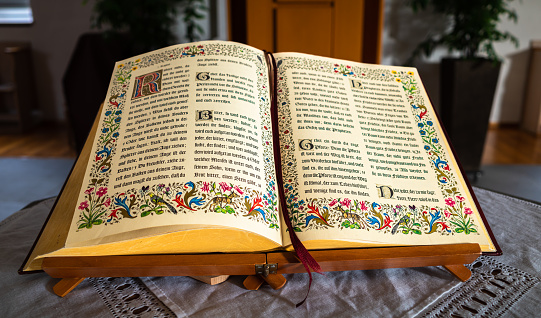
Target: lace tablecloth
[{"x": 500, "y": 286}]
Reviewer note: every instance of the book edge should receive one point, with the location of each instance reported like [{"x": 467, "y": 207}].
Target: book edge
[
  {"x": 498, "y": 251},
  {"x": 88, "y": 143}
]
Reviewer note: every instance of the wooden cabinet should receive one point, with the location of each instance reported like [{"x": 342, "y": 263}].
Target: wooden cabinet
[
  {"x": 345, "y": 29},
  {"x": 17, "y": 87},
  {"x": 531, "y": 114}
]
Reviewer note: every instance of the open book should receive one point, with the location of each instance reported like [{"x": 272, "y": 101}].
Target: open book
[{"x": 183, "y": 159}]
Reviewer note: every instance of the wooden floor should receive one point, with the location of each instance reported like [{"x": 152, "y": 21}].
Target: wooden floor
[
  {"x": 505, "y": 145},
  {"x": 510, "y": 145},
  {"x": 47, "y": 141}
]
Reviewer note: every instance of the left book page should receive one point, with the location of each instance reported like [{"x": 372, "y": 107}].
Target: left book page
[{"x": 183, "y": 146}]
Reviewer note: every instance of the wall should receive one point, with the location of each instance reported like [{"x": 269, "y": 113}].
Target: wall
[
  {"x": 57, "y": 26},
  {"x": 507, "y": 107},
  {"x": 403, "y": 30}
]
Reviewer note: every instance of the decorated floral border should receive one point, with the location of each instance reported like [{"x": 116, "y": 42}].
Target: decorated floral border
[
  {"x": 99, "y": 207},
  {"x": 345, "y": 213}
]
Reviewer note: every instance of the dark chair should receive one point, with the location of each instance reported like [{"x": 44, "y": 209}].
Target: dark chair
[
  {"x": 17, "y": 87},
  {"x": 86, "y": 81}
]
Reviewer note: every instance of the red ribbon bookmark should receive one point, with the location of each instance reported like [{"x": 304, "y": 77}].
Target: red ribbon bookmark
[{"x": 302, "y": 253}]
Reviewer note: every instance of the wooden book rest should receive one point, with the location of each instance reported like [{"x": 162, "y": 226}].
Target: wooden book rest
[{"x": 260, "y": 267}]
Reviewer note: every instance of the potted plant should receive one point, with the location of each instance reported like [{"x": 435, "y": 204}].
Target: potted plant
[
  {"x": 468, "y": 80},
  {"x": 147, "y": 25}
]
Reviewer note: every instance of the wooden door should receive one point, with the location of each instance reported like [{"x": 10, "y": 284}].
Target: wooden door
[{"x": 345, "y": 29}]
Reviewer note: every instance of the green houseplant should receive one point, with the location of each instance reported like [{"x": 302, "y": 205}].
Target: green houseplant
[
  {"x": 468, "y": 80},
  {"x": 147, "y": 24},
  {"x": 473, "y": 27}
]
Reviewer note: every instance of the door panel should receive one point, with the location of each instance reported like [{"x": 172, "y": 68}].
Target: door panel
[
  {"x": 346, "y": 29},
  {"x": 304, "y": 28}
]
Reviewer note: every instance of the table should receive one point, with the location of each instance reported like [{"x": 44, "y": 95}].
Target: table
[{"x": 508, "y": 284}]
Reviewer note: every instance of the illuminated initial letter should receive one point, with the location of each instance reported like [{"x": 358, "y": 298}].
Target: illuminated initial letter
[{"x": 147, "y": 84}]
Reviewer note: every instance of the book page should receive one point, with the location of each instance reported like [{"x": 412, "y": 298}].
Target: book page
[
  {"x": 365, "y": 159},
  {"x": 184, "y": 139}
]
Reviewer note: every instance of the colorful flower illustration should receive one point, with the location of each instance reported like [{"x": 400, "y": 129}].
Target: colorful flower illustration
[
  {"x": 225, "y": 187},
  {"x": 83, "y": 205},
  {"x": 343, "y": 69},
  {"x": 255, "y": 207},
  {"x": 450, "y": 202},
  {"x": 101, "y": 192},
  {"x": 205, "y": 187},
  {"x": 193, "y": 50},
  {"x": 346, "y": 202},
  {"x": 313, "y": 214}
]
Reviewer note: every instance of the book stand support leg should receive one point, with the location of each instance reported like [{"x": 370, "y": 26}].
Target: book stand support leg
[
  {"x": 460, "y": 271},
  {"x": 276, "y": 281},
  {"x": 65, "y": 285},
  {"x": 253, "y": 282}
]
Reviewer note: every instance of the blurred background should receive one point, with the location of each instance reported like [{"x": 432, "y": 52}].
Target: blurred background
[{"x": 56, "y": 60}]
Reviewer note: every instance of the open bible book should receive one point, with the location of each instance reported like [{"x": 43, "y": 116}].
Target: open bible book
[{"x": 183, "y": 160}]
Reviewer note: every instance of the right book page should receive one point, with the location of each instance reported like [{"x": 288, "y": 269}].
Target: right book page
[{"x": 365, "y": 161}]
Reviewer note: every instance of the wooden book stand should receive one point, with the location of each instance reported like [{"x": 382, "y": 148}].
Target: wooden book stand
[{"x": 260, "y": 267}]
